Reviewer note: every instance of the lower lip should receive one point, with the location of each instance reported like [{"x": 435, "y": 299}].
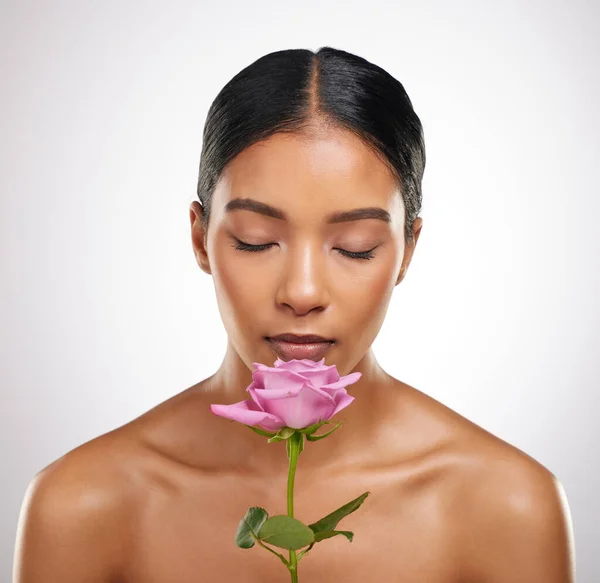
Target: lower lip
[{"x": 313, "y": 351}]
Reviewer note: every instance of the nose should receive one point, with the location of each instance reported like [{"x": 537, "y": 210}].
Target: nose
[{"x": 303, "y": 286}]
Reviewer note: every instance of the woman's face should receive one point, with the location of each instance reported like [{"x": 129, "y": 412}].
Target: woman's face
[{"x": 302, "y": 278}]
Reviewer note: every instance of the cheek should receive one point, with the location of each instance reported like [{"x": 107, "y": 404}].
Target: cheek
[
  {"x": 369, "y": 296},
  {"x": 236, "y": 284},
  {"x": 365, "y": 301}
]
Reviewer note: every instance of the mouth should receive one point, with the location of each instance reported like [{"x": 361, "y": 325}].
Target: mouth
[{"x": 292, "y": 346}]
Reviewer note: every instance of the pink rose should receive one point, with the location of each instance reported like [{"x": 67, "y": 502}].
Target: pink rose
[{"x": 295, "y": 394}]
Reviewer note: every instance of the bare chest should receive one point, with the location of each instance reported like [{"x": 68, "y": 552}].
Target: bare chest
[{"x": 403, "y": 532}]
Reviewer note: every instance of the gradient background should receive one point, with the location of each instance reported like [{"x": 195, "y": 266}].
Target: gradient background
[{"x": 104, "y": 312}]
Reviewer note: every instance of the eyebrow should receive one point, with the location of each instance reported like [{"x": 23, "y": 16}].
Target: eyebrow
[{"x": 263, "y": 208}]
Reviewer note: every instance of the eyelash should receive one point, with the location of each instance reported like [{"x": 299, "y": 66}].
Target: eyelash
[{"x": 362, "y": 255}]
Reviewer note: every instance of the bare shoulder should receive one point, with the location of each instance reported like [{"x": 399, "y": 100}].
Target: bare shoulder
[
  {"x": 510, "y": 513},
  {"x": 76, "y": 512},
  {"x": 79, "y": 514},
  {"x": 518, "y": 519}
]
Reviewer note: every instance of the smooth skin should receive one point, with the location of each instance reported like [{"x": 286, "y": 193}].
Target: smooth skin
[{"x": 158, "y": 500}]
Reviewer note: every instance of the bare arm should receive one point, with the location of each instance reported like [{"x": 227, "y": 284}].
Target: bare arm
[
  {"x": 524, "y": 531},
  {"x": 70, "y": 529}
]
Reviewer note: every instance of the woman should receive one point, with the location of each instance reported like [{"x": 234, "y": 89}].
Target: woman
[{"x": 307, "y": 219}]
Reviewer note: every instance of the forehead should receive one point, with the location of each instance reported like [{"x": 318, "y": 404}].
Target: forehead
[{"x": 309, "y": 176}]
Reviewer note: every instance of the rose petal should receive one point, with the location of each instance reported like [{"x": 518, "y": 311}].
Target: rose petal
[
  {"x": 269, "y": 394},
  {"x": 342, "y": 401},
  {"x": 252, "y": 390},
  {"x": 245, "y": 412},
  {"x": 251, "y": 386},
  {"x": 278, "y": 379},
  {"x": 302, "y": 410},
  {"x": 343, "y": 381},
  {"x": 298, "y": 365},
  {"x": 322, "y": 376}
]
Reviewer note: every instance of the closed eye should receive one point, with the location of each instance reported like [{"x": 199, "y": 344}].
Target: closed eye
[
  {"x": 361, "y": 255},
  {"x": 241, "y": 246}
]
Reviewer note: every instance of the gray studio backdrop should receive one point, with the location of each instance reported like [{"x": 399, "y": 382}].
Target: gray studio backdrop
[{"x": 104, "y": 312}]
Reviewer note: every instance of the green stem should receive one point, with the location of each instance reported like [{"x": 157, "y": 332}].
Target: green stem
[
  {"x": 274, "y": 552},
  {"x": 294, "y": 451}
]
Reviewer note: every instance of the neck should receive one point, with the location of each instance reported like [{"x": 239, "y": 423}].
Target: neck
[{"x": 349, "y": 443}]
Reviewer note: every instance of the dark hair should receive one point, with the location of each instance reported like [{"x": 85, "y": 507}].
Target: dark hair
[{"x": 295, "y": 89}]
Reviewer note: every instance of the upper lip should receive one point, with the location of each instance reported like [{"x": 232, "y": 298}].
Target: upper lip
[{"x": 301, "y": 339}]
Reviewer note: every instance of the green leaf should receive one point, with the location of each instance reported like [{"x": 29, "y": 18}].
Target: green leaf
[
  {"x": 312, "y": 428},
  {"x": 329, "y": 533},
  {"x": 286, "y": 532},
  {"x": 249, "y": 526},
  {"x": 259, "y": 431},
  {"x": 283, "y": 433},
  {"x": 330, "y": 521},
  {"x": 317, "y": 437}
]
